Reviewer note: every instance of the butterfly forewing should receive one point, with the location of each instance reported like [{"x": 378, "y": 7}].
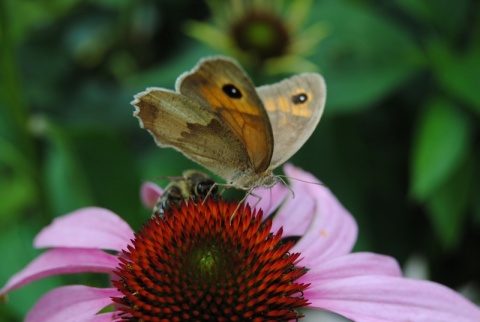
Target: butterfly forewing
[
  {"x": 179, "y": 122},
  {"x": 221, "y": 85}
]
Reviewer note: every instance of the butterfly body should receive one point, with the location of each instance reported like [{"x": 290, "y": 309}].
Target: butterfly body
[
  {"x": 246, "y": 179},
  {"x": 220, "y": 120}
]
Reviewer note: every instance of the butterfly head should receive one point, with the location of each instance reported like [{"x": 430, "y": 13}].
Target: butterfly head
[
  {"x": 270, "y": 180},
  {"x": 248, "y": 180}
]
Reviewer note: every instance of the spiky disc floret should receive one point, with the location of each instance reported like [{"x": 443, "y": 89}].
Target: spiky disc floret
[{"x": 197, "y": 265}]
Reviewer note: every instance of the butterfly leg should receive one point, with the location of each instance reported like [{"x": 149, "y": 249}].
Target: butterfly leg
[
  {"x": 210, "y": 192},
  {"x": 249, "y": 193}
]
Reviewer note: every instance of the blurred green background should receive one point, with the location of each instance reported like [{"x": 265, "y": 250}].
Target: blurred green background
[{"x": 398, "y": 143}]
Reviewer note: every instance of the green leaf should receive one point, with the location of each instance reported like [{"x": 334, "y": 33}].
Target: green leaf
[
  {"x": 364, "y": 58},
  {"x": 438, "y": 14},
  {"x": 448, "y": 205},
  {"x": 440, "y": 144},
  {"x": 458, "y": 74},
  {"x": 67, "y": 188},
  {"x": 16, "y": 184},
  {"x": 166, "y": 74},
  {"x": 110, "y": 170},
  {"x": 209, "y": 35},
  {"x": 421, "y": 10},
  {"x": 26, "y": 16},
  {"x": 88, "y": 166}
]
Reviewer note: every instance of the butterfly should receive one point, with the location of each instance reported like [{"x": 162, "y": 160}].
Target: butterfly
[
  {"x": 218, "y": 118},
  {"x": 193, "y": 186}
]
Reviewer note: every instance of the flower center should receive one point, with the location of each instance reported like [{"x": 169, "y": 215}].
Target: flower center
[
  {"x": 197, "y": 265},
  {"x": 262, "y": 34}
]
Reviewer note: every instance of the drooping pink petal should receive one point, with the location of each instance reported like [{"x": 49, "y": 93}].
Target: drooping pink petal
[
  {"x": 270, "y": 198},
  {"x": 332, "y": 233},
  {"x": 149, "y": 194},
  {"x": 86, "y": 228},
  {"x": 391, "y": 299},
  {"x": 297, "y": 211},
  {"x": 73, "y": 303},
  {"x": 335, "y": 232},
  {"x": 295, "y": 215},
  {"x": 62, "y": 261},
  {"x": 352, "y": 265}
]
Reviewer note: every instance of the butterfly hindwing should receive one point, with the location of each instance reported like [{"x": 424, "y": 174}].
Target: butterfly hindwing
[{"x": 294, "y": 106}]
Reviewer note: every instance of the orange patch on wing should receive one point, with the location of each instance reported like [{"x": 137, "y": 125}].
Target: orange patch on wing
[{"x": 283, "y": 104}]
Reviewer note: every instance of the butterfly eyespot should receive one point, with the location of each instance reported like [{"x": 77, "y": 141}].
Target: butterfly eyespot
[
  {"x": 299, "y": 98},
  {"x": 232, "y": 91}
]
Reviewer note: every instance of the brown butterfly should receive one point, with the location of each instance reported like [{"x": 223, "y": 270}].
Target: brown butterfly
[
  {"x": 219, "y": 119},
  {"x": 192, "y": 186}
]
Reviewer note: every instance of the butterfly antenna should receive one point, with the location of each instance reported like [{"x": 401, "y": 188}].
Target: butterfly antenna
[{"x": 280, "y": 176}]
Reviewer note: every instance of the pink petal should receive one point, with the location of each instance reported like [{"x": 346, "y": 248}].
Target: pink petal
[
  {"x": 352, "y": 265},
  {"x": 297, "y": 212},
  {"x": 295, "y": 215},
  {"x": 271, "y": 198},
  {"x": 73, "y": 303},
  {"x": 86, "y": 228},
  {"x": 391, "y": 299},
  {"x": 332, "y": 233},
  {"x": 62, "y": 261},
  {"x": 149, "y": 194}
]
